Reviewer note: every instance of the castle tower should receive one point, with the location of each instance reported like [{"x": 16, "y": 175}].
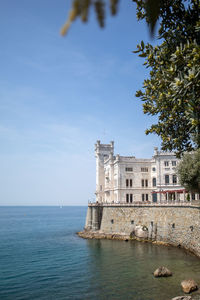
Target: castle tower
[{"x": 102, "y": 152}]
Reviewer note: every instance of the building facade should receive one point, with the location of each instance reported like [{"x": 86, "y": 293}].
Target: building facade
[{"x": 127, "y": 179}]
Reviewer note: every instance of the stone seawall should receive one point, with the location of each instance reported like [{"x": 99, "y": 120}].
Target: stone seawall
[{"x": 178, "y": 226}]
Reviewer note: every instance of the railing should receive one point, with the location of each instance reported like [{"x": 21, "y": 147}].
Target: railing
[
  {"x": 195, "y": 203},
  {"x": 92, "y": 201},
  {"x": 159, "y": 185}
]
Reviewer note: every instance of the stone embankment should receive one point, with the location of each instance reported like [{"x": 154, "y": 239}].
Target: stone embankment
[{"x": 175, "y": 224}]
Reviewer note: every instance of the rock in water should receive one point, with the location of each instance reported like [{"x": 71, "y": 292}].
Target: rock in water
[
  {"x": 141, "y": 231},
  {"x": 182, "y": 298},
  {"x": 162, "y": 272},
  {"x": 189, "y": 286}
]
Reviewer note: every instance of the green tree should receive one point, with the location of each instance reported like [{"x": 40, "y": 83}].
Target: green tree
[
  {"x": 172, "y": 90},
  {"x": 189, "y": 171}
]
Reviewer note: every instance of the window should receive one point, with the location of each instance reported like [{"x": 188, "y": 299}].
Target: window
[
  {"x": 174, "y": 178},
  {"x": 142, "y": 197},
  {"x": 173, "y": 163},
  {"x": 171, "y": 196},
  {"x": 166, "y": 179},
  {"x": 166, "y": 163},
  {"x": 154, "y": 197},
  {"x": 129, "y": 182},
  {"x": 100, "y": 187},
  {"x": 112, "y": 221},
  {"x": 147, "y": 197},
  {"x": 129, "y": 169},
  {"x": 154, "y": 181},
  {"x": 131, "y": 198},
  {"x": 126, "y": 182},
  {"x": 144, "y": 182},
  {"x": 144, "y": 169},
  {"x": 127, "y": 198},
  {"x": 153, "y": 169},
  {"x": 193, "y": 196}
]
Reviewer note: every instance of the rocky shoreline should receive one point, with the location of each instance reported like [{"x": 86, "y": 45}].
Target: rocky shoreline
[
  {"x": 115, "y": 236},
  {"x": 87, "y": 234},
  {"x": 98, "y": 235}
]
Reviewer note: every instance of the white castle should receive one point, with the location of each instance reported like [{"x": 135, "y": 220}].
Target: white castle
[{"x": 126, "y": 179}]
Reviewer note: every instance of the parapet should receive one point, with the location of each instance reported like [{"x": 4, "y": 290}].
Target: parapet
[{"x": 105, "y": 149}]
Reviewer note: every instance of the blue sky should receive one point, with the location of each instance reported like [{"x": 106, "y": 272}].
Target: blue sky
[{"x": 59, "y": 95}]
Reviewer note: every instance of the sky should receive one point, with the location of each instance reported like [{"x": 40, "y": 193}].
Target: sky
[{"x": 58, "y": 95}]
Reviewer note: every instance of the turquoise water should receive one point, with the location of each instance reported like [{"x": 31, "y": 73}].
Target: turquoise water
[{"x": 41, "y": 257}]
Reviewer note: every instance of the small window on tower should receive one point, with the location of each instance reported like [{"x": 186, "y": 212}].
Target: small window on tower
[{"x": 130, "y": 182}]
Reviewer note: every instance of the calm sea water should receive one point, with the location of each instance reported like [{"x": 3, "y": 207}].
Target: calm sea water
[{"x": 41, "y": 257}]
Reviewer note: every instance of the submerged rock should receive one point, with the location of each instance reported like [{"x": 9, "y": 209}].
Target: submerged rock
[
  {"x": 189, "y": 286},
  {"x": 182, "y": 298},
  {"x": 162, "y": 272}
]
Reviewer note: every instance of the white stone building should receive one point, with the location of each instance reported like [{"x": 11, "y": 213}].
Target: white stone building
[{"x": 126, "y": 179}]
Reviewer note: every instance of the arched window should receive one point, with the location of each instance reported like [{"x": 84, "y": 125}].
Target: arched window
[
  {"x": 174, "y": 178},
  {"x": 154, "y": 181},
  {"x": 166, "y": 179}
]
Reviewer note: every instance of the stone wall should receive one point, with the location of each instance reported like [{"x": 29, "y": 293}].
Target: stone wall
[{"x": 179, "y": 226}]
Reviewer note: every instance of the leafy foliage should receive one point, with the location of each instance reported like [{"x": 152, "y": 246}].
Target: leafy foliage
[
  {"x": 81, "y": 9},
  {"x": 189, "y": 171},
  {"x": 172, "y": 91}
]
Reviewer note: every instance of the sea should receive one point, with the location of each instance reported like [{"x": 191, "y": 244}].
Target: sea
[{"x": 41, "y": 257}]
